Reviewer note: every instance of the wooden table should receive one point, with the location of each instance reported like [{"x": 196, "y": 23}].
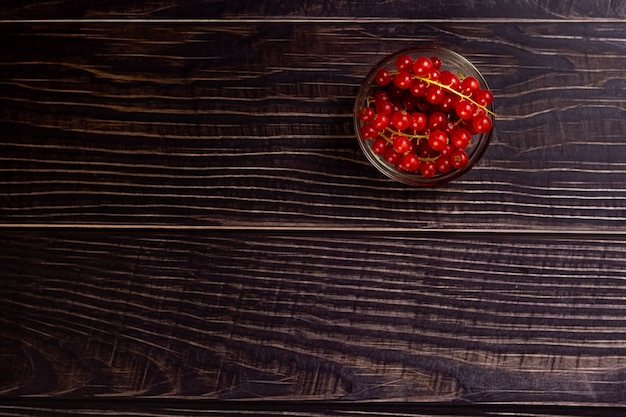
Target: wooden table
[{"x": 188, "y": 226}]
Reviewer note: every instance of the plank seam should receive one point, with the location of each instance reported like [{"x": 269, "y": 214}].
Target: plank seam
[{"x": 313, "y": 20}]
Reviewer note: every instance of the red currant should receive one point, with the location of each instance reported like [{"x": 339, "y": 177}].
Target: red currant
[
  {"x": 403, "y": 80},
  {"x": 423, "y": 66},
  {"x": 464, "y": 109},
  {"x": 447, "y": 150},
  {"x": 418, "y": 121},
  {"x": 392, "y": 156},
  {"x": 447, "y": 103},
  {"x": 395, "y": 93},
  {"x": 410, "y": 162},
  {"x": 482, "y": 123},
  {"x": 366, "y": 114},
  {"x": 380, "y": 122},
  {"x": 469, "y": 85},
  {"x": 409, "y": 101},
  {"x": 428, "y": 169},
  {"x": 424, "y": 106},
  {"x": 436, "y": 62},
  {"x": 435, "y": 75},
  {"x": 443, "y": 164},
  {"x": 383, "y": 77},
  {"x": 404, "y": 63},
  {"x": 368, "y": 131},
  {"x": 483, "y": 97},
  {"x": 401, "y": 144},
  {"x": 449, "y": 127},
  {"x": 401, "y": 120},
  {"x": 379, "y": 146},
  {"x": 437, "y": 140},
  {"x": 425, "y": 151},
  {"x": 381, "y": 96},
  {"x": 459, "y": 159},
  {"x": 460, "y": 138},
  {"x": 437, "y": 120},
  {"x": 418, "y": 88},
  {"x": 384, "y": 107},
  {"x": 434, "y": 94},
  {"x": 450, "y": 79}
]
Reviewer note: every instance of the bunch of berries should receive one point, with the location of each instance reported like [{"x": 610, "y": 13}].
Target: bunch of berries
[{"x": 421, "y": 118}]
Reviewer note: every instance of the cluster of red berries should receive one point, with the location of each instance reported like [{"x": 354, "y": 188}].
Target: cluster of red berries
[{"x": 421, "y": 118}]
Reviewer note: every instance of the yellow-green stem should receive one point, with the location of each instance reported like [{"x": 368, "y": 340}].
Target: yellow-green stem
[{"x": 450, "y": 89}]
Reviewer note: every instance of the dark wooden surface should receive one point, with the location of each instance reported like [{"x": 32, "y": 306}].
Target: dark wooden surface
[{"x": 188, "y": 227}]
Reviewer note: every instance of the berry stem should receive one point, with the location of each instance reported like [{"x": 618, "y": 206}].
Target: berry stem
[
  {"x": 408, "y": 135},
  {"x": 450, "y": 89}
]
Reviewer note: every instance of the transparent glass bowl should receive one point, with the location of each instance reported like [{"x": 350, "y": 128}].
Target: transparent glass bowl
[{"x": 450, "y": 61}]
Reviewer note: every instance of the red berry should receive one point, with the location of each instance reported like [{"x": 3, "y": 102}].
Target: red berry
[
  {"x": 481, "y": 124},
  {"x": 395, "y": 93},
  {"x": 384, "y": 107},
  {"x": 383, "y": 77},
  {"x": 460, "y": 138},
  {"x": 412, "y": 147},
  {"x": 379, "y": 146},
  {"x": 447, "y": 103},
  {"x": 404, "y": 63},
  {"x": 402, "y": 80},
  {"x": 380, "y": 122},
  {"x": 434, "y": 94},
  {"x": 381, "y": 96},
  {"x": 392, "y": 156},
  {"x": 483, "y": 97},
  {"x": 401, "y": 120},
  {"x": 424, "y": 106},
  {"x": 366, "y": 114},
  {"x": 469, "y": 85},
  {"x": 437, "y": 140},
  {"x": 409, "y": 101},
  {"x": 428, "y": 169},
  {"x": 464, "y": 109},
  {"x": 449, "y": 127},
  {"x": 410, "y": 162},
  {"x": 425, "y": 151},
  {"x": 436, "y": 61},
  {"x": 368, "y": 131},
  {"x": 418, "y": 121},
  {"x": 459, "y": 159},
  {"x": 437, "y": 120},
  {"x": 447, "y": 150},
  {"x": 443, "y": 164},
  {"x": 422, "y": 66},
  {"x": 418, "y": 88},
  {"x": 435, "y": 75},
  {"x": 401, "y": 144},
  {"x": 450, "y": 79}
]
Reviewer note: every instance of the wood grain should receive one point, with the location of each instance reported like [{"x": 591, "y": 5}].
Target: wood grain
[
  {"x": 310, "y": 317},
  {"x": 237, "y": 125},
  {"x": 188, "y": 227},
  {"x": 176, "y": 408},
  {"x": 264, "y": 10}
]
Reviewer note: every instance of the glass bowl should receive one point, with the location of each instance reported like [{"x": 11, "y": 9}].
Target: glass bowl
[{"x": 466, "y": 103}]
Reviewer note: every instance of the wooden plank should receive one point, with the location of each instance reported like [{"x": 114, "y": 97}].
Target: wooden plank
[
  {"x": 176, "y": 408},
  {"x": 361, "y": 317},
  {"x": 444, "y": 9},
  {"x": 241, "y": 125}
]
